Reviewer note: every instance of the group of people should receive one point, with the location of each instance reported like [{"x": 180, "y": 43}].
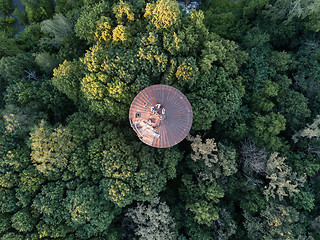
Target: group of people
[{"x": 155, "y": 109}]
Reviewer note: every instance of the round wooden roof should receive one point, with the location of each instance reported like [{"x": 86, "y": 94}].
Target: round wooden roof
[{"x": 161, "y": 115}]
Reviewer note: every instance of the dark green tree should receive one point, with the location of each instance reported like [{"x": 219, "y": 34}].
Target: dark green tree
[
  {"x": 276, "y": 222},
  {"x": 49, "y": 202},
  {"x": 23, "y": 221},
  {"x": 89, "y": 19},
  {"x": 30, "y": 182},
  {"x": 5, "y": 7},
  {"x": 38, "y": 10},
  {"x": 88, "y": 212},
  {"x": 8, "y": 46},
  {"x": 201, "y": 199}
]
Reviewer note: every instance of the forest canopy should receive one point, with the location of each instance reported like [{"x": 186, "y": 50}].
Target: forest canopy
[{"x": 71, "y": 167}]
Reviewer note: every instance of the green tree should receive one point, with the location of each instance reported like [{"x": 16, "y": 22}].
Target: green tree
[
  {"x": 276, "y": 222},
  {"x": 8, "y": 46},
  {"x": 152, "y": 221},
  {"x": 304, "y": 199},
  {"x": 294, "y": 107},
  {"x": 20, "y": 15},
  {"x": 29, "y": 38},
  {"x": 30, "y": 182},
  {"x": 5, "y": 223},
  {"x": 12, "y": 236},
  {"x": 256, "y": 38},
  {"x": 281, "y": 61},
  {"x": 46, "y": 230},
  {"x": 19, "y": 121},
  {"x": 85, "y": 128},
  {"x": 64, "y": 6},
  {"x": 253, "y": 201},
  {"x": 201, "y": 199},
  {"x": 67, "y": 79},
  {"x": 88, "y": 212},
  {"x": 56, "y": 30},
  {"x": 304, "y": 162},
  {"x": 283, "y": 182},
  {"x": 8, "y": 201},
  {"x": 49, "y": 202},
  {"x": 314, "y": 22},
  {"x": 38, "y": 10},
  {"x": 40, "y": 96},
  {"x": 130, "y": 175},
  {"x": 262, "y": 100},
  {"x": 15, "y": 68},
  {"x": 217, "y": 98},
  {"x": 312, "y": 131},
  {"x": 215, "y": 161},
  {"x": 14, "y": 159},
  {"x": 214, "y": 51},
  {"x": 163, "y": 14},
  {"x": 89, "y": 19},
  {"x": 232, "y": 19},
  {"x": 266, "y": 128},
  {"x": 6, "y": 25},
  {"x": 23, "y": 221},
  {"x": 255, "y": 71},
  {"x": 307, "y": 74},
  {"x": 51, "y": 149},
  {"x": 5, "y": 7}
]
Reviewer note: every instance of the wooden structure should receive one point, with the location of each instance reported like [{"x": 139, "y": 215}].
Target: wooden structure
[{"x": 161, "y": 116}]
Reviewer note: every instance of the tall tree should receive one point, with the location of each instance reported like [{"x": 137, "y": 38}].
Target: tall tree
[
  {"x": 88, "y": 212},
  {"x": 283, "y": 182},
  {"x": 51, "y": 149},
  {"x": 152, "y": 221}
]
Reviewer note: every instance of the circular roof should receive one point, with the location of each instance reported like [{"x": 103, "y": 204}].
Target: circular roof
[{"x": 161, "y": 115}]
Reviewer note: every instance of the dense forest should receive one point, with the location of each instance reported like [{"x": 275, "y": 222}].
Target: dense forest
[{"x": 71, "y": 167}]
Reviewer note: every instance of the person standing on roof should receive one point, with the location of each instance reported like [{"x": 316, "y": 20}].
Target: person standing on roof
[{"x": 153, "y": 110}]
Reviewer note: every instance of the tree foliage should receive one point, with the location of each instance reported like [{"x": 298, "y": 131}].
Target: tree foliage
[
  {"x": 276, "y": 222},
  {"x": 50, "y": 149},
  {"x": 67, "y": 79},
  {"x": 38, "y": 10},
  {"x": 72, "y": 168},
  {"x": 87, "y": 211},
  {"x": 283, "y": 182},
  {"x": 201, "y": 199},
  {"x": 216, "y": 161},
  {"x": 312, "y": 131},
  {"x": 152, "y": 221},
  {"x": 5, "y": 7},
  {"x": 163, "y": 14},
  {"x": 23, "y": 221}
]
